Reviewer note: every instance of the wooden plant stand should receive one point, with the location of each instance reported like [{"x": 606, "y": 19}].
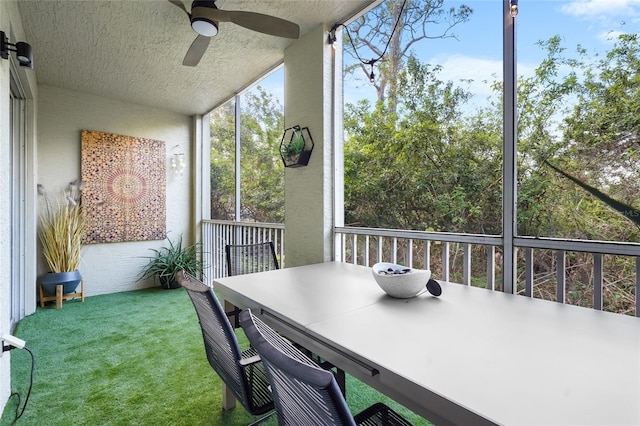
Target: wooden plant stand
[{"x": 59, "y": 297}]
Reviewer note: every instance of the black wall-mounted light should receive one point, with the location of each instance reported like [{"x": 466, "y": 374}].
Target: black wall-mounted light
[
  {"x": 23, "y": 50},
  {"x": 513, "y": 7}
]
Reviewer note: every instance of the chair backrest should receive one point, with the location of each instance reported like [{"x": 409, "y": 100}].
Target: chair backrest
[
  {"x": 304, "y": 393},
  {"x": 250, "y": 258},
  {"x": 221, "y": 345}
]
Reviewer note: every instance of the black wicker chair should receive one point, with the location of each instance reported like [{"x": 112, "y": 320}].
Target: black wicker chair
[
  {"x": 250, "y": 258},
  {"x": 241, "y": 371},
  {"x": 247, "y": 259},
  {"x": 304, "y": 393}
]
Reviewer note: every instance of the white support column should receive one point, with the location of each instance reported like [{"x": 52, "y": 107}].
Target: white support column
[
  {"x": 338, "y": 137},
  {"x": 309, "y": 201}
]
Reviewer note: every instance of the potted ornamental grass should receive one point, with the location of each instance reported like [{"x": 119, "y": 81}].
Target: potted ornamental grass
[
  {"x": 171, "y": 259},
  {"x": 61, "y": 231}
]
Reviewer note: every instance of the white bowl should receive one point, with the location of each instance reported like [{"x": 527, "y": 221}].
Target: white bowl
[{"x": 401, "y": 285}]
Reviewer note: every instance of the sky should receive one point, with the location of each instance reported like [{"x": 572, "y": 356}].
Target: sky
[{"x": 476, "y": 52}]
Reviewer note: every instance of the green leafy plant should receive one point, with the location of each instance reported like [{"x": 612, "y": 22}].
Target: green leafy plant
[
  {"x": 62, "y": 228},
  {"x": 296, "y": 145},
  {"x": 169, "y": 260}
]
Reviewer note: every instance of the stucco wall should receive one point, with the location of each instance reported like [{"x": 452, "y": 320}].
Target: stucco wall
[
  {"x": 11, "y": 24},
  {"x": 308, "y": 190},
  {"x": 62, "y": 114},
  {"x": 5, "y": 229}
]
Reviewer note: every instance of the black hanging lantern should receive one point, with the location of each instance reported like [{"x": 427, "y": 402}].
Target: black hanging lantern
[{"x": 296, "y": 146}]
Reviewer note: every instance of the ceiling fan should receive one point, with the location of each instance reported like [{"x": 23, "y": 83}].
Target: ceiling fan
[{"x": 205, "y": 17}]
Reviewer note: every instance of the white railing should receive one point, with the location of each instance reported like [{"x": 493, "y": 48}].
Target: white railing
[
  {"x": 216, "y": 234},
  {"x": 596, "y": 274}
]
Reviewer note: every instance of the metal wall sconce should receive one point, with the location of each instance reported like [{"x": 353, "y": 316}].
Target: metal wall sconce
[
  {"x": 177, "y": 164},
  {"x": 296, "y": 146},
  {"x": 23, "y": 50}
]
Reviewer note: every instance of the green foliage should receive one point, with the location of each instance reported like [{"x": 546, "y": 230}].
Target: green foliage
[
  {"x": 170, "y": 260},
  {"x": 295, "y": 146},
  {"x": 585, "y": 123},
  {"x": 262, "y": 171},
  {"x": 222, "y": 163},
  {"x": 435, "y": 164},
  {"x": 425, "y": 161},
  {"x": 425, "y": 168}
]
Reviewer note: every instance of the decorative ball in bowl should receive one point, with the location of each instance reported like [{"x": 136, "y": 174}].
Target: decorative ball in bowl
[{"x": 400, "y": 281}]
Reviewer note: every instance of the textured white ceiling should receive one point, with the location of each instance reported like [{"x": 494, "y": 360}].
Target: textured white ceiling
[{"x": 132, "y": 50}]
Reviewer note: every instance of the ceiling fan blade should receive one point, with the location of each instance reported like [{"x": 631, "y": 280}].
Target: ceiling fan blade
[
  {"x": 265, "y": 24},
  {"x": 252, "y": 20},
  {"x": 180, "y": 5},
  {"x": 196, "y": 51}
]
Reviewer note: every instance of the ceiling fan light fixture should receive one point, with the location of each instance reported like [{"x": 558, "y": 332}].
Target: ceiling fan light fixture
[{"x": 204, "y": 26}]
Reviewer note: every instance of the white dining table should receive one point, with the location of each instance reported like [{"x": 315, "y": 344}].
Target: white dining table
[{"x": 471, "y": 356}]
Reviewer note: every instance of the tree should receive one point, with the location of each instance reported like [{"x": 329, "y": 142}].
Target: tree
[
  {"x": 222, "y": 162},
  {"x": 262, "y": 172},
  {"x": 585, "y": 123},
  {"x": 428, "y": 168},
  {"x": 424, "y": 161},
  {"x": 417, "y": 20}
]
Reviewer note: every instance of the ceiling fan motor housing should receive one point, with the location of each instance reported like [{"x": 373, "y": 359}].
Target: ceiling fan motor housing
[{"x": 201, "y": 25}]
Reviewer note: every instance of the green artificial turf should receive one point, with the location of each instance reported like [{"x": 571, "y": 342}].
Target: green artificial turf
[{"x": 132, "y": 358}]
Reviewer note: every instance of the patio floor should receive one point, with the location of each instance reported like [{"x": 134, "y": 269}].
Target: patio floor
[{"x": 131, "y": 358}]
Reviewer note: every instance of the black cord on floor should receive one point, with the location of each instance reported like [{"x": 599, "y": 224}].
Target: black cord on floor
[{"x": 33, "y": 363}]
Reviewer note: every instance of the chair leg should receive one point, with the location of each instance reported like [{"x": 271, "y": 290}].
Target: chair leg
[
  {"x": 228, "y": 398},
  {"x": 233, "y": 313},
  {"x": 342, "y": 382},
  {"x": 262, "y": 419}
]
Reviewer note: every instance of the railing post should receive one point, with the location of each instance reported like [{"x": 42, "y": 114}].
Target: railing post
[
  {"x": 427, "y": 255},
  {"x": 528, "y": 267},
  {"x": 445, "y": 261},
  {"x": 366, "y": 251},
  {"x": 491, "y": 267},
  {"x": 561, "y": 281},
  {"x": 597, "y": 281}
]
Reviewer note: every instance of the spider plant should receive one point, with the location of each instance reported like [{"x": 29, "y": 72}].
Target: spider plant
[{"x": 169, "y": 260}]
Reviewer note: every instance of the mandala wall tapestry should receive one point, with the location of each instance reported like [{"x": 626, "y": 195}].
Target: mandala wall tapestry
[{"x": 125, "y": 186}]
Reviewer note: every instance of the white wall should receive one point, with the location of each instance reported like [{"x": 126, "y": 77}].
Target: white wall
[
  {"x": 11, "y": 24},
  {"x": 309, "y": 190},
  {"x": 62, "y": 114},
  {"x": 5, "y": 209}
]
